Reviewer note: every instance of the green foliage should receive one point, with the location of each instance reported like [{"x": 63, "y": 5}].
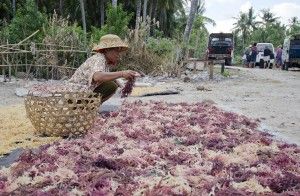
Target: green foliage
[
  {"x": 268, "y": 30},
  {"x": 27, "y": 20},
  {"x": 116, "y": 23},
  {"x": 5, "y": 11},
  {"x": 238, "y": 59},
  {"x": 160, "y": 46},
  {"x": 272, "y": 33},
  {"x": 59, "y": 31},
  {"x": 294, "y": 26},
  {"x": 226, "y": 73}
]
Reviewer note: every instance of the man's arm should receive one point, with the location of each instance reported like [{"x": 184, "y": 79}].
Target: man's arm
[{"x": 100, "y": 77}]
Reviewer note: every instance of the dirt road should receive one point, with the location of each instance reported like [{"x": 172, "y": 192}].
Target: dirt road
[{"x": 273, "y": 96}]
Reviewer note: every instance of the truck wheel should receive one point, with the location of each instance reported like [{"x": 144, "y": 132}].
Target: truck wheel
[
  {"x": 261, "y": 64},
  {"x": 228, "y": 62},
  {"x": 271, "y": 66}
]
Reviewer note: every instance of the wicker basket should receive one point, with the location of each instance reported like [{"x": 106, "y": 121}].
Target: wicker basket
[{"x": 62, "y": 113}]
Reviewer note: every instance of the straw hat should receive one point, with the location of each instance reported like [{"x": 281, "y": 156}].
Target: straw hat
[{"x": 110, "y": 41}]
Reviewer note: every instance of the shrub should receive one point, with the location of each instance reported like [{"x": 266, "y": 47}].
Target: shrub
[
  {"x": 61, "y": 39},
  {"x": 116, "y": 23},
  {"x": 148, "y": 56},
  {"x": 160, "y": 46},
  {"x": 26, "y": 21}
]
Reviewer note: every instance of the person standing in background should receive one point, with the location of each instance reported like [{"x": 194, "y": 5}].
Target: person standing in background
[
  {"x": 279, "y": 57},
  {"x": 253, "y": 55},
  {"x": 247, "y": 56}
]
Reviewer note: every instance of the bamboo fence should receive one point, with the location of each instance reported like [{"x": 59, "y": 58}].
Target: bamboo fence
[{"x": 47, "y": 61}]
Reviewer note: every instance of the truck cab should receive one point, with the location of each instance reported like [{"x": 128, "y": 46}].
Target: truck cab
[
  {"x": 291, "y": 52},
  {"x": 220, "y": 47}
]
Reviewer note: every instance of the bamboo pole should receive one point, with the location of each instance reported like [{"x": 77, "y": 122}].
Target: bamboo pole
[
  {"x": 3, "y": 68},
  {"x": 9, "y": 68},
  {"x": 24, "y": 40}
]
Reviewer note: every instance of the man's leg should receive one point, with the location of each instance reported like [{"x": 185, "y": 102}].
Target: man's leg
[{"x": 106, "y": 90}]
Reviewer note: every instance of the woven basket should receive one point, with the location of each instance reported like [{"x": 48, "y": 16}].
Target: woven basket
[{"x": 62, "y": 113}]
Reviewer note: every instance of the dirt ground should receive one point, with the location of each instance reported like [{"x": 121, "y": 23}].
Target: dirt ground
[{"x": 273, "y": 96}]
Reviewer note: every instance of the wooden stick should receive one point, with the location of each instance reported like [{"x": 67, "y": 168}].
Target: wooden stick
[
  {"x": 211, "y": 71},
  {"x": 9, "y": 68}
]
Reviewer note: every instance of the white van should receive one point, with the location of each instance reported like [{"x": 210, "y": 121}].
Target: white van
[{"x": 260, "y": 58}]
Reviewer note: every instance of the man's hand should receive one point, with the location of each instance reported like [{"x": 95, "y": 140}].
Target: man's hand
[
  {"x": 100, "y": 77},
  {"x": 129, "y": 75}
]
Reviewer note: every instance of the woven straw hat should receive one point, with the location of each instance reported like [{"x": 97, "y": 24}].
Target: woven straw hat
[{"x": 110, "y": 41}]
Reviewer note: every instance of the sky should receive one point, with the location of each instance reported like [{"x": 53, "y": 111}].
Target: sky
[{"x": 223, "y": 11}]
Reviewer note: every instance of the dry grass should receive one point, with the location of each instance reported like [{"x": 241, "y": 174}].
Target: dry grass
[{"x": 16, "y": 130}]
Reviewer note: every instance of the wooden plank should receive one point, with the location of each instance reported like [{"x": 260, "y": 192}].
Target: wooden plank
[
  {"x": 211, "y": 71},
  {"x": 195, "y": 67}
]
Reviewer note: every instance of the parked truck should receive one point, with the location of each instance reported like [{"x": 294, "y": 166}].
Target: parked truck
[
  {"x": 220, "y": 47},
  {"x": 291, "y": 52}
]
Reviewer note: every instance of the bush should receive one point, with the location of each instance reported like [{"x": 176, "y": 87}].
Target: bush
[
  {"x": 62, "y": 39},
  {"x": 160, "y": 46},
  {"x": 154, "y": 56},
  {"x": 116, "y": 23},
  {"x": 27, "y": 20}
]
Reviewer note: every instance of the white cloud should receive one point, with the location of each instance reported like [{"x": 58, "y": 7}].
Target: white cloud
[
  {"x": 224, "y": 26},
  {"x": 286, "y": 11},
  {"x": 210, "y": 3},
  {"x": 245, "y": 7}
]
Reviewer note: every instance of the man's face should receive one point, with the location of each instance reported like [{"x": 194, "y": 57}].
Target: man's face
[{"x": 113, "y": 56}]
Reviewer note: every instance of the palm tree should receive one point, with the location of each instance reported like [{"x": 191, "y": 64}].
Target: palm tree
[
  {"x": 168, "y": 10},
  {"x": 294, "y": 26},
  {"x": 199, "y": 29},
  {"x": 294, "y": 21},
  {"x": 189, "y": 25},
  {"x": 252, "y": 23},
  {"x": 201, "y": 21},
  {"x": 268, "y": 17},
  {"x": 241, "y": 27}
]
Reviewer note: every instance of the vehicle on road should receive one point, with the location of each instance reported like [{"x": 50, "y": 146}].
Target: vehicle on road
[
  {"x": 291, "y": 52},
  {"x": 261, "y": 59},
  {"x": 220, "y": 47}
]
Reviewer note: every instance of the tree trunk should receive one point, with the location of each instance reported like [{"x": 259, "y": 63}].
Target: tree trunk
[
  {"x": 183, "y": 54},
  {"x": 102, "y": 12},
  {"x": 61, "y": 7},
  {"x": 114, "y": 3},
  {"x": 83, "y": 19},
  {"x": 190, "y": 21},
  {"x": 145, "y": 10},
  {"x": 150, "y": 9},
  {"x": 137, "y": 19},
  {"x": 154, "y": 11},
  {"x": 14, "y": 7}
]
